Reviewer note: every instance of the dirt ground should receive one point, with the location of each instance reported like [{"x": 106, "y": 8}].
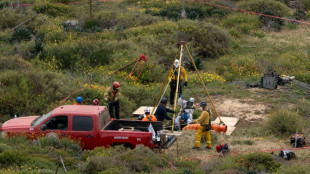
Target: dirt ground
[{"x": 242, "y": 109}]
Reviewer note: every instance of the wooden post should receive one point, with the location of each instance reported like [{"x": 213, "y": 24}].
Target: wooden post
[
  {"x": 90, "y": 10},
  {"x": 177, "y": 87},
  {"x": 183, "y": 12},
  {"x": 296, "y": 135}
]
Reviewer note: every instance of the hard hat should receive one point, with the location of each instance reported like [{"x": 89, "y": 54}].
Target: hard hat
[
  {"x": 176, "y": 63},
  {"x": 79, "y": 99},
  {"x": 191, "y": 99},
  {"x": 95, "y": 102},
  {"x": 147, "y": 110},
  {"x": 164, "y": 101},
  {"x": 116, "y": 85},
  {"x": 203, "y": 103}
]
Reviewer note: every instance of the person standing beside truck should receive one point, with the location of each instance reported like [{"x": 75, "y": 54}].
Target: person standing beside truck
[
  {"x": 78, "y": 100},
  {"x": 205, "y": 126},
  {"x": 112, "y": 97},
  {"x": 161, "y": 111}
]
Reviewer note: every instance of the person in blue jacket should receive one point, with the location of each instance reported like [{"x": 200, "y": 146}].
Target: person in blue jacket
[{"x": 161, "y": 111}]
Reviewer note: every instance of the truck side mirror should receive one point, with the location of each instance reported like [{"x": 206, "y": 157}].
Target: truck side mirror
[{"x": 43, "y": 127}]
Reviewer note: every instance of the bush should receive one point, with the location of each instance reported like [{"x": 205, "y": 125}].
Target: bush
[
  {"x": 241, "y": 24},
  {"x": 306, "y": 4},
  {"x": 13, "y": 63},
  {"x": 288, "y": 169},
  {"x": 13, "y": 157},
  {"x": 251, "y": 163},
  {"x": 28, "y": 92},
  {"x": 233, "y": 68},
  {"x": 21, "y": 34},
  {"x": 141, "y": 159},
  {"x": 11, "y": 18},
  {"x": 284, "y": 122},
  {"x": 268, "y": 7},
  {"x": 208, "y": 39},
  {"x": 52, "y": 9}
]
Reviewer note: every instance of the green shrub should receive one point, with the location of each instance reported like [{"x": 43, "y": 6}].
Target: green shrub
[
  {"x": 11, "y": 18},
  {"x": 90, "y": 23},
  {"x": 141, "y": 159},
  {"x": 21, "y": 34},
  {"x": 288, "y": 169},
  {"x": 208, "y": 39},
  {"x": 306, "y": 4},
  {"x": 232, "y": 68},
  {"x": 302, "y": 108},
  {"x": 268, "y": 7},
  {"x": 52, "y": 9},
  {"x": 30, "y": 92},
  {"x": 241, "y": 24},
  {"x": 13, "y": 157},
  {"x": 284, "y": 122},
  {"x": 5, "y": 36},
  {"x": 13, "y": 63},
  {"x": 251, "y": 163},
  {"x": 171, "y": 12},
  {"x": 300, "y": 14}
]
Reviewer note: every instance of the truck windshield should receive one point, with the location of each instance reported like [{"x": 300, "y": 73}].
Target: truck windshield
[{"x": 39, "y": 120}]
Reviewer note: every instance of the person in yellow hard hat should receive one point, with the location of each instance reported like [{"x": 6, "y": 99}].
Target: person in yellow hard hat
[
  {"x": 205, "y": 126},
  {"x": 174, "y": 77}
]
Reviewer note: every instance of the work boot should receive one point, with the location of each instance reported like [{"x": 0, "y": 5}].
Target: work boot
[
  {"x": 208, "y": 147},
  {"x": 195, "y": 147}
]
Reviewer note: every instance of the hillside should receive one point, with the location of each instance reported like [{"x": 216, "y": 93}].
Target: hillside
[{"x": 52, "y": 51}]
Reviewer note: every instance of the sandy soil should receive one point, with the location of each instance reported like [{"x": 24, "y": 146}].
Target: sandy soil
[{"x": 242, "y": 109}]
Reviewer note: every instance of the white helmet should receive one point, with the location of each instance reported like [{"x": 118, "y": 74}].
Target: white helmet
[
  {"x": 191, "y": 99},
  {"x": 176, "y": 63},
  {"x": 147, "y": 110}
]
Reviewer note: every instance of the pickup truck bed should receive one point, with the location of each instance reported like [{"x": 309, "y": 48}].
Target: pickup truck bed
[
  {"x": 135, "y": 132},
  {"x": 136, "y": 125}
]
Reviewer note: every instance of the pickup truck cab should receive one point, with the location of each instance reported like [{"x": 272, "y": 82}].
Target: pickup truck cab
[{"x": 91, "y": 125}]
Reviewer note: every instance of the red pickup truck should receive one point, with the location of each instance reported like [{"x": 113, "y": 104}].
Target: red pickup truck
[{"x": 91, "y": 125}]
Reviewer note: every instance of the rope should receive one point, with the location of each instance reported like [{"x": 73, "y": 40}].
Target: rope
[
  {"x": 201, "y": 81},
  {"x": 251, "y": 12},
  {"x": 166, "y": 81},
  {"x": 202, "y": 157}
]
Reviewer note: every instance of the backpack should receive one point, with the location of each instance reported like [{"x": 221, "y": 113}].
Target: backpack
[{"x": 222, "y": 148}]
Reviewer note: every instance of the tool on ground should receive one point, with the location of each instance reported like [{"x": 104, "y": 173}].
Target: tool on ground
[
  {"x": 223, "y": 149},
  {"x": 287, "y": 154}
]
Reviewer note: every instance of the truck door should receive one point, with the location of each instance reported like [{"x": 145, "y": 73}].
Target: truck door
[
  {"x": 83, "y": 130},
  {"x": 57, "y": 126}
]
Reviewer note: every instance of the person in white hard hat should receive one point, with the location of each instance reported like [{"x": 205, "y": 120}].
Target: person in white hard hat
[
  {"x": 186, "y": 112},
  {"x": 148, "y": 116},
  {"x": 173, "y": 81}
]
